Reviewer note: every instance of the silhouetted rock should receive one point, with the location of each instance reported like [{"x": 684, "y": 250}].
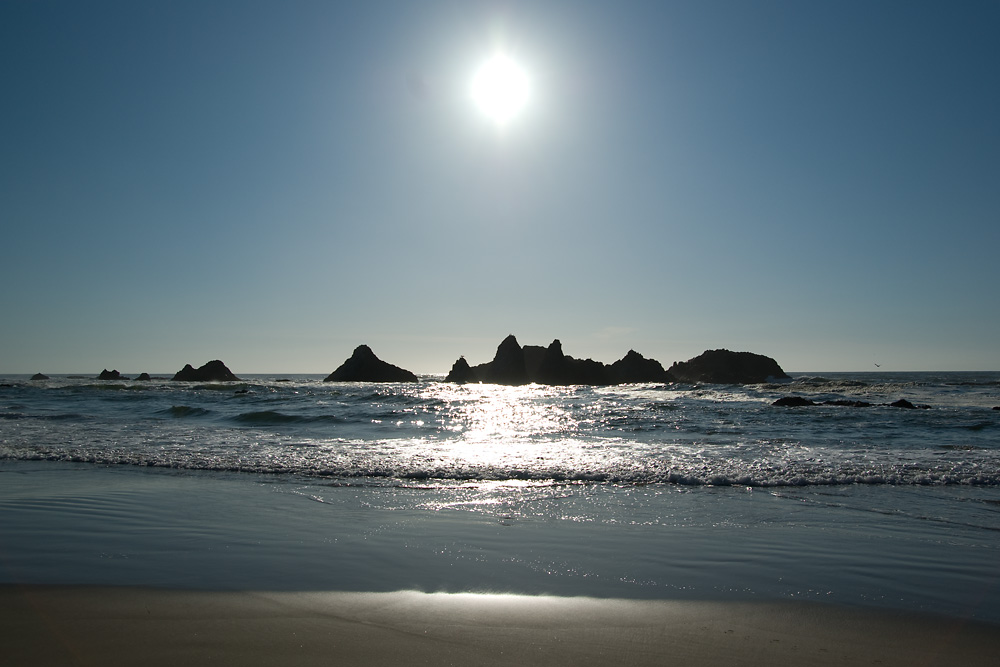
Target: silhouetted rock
[
  {"x": 903, "y": 403},
  {"x": 793, "y": 402},
  {"x": 110, "y": 375},
  {"x": 557, "y": 368},
  {"x": 996, "y": 407},
  {"x": 213, "y": 371},
  {"x": 533, "y": 357},
  {"x": 515, "y": 365},
  {"x": 634, "y": 367},
  {"x": 508, "y": 365},
  {"x": 144, "y": 377},
  {"x": 39, "y": 376},
  {"x": 725, "y": 367},
  {"x": 461, "y": 372},
  {"x": 799, "y": 401},
  {"x": 364, "y": 366}
]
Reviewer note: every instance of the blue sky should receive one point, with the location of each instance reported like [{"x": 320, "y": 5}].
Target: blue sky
[{"x": 272, "y": 184}]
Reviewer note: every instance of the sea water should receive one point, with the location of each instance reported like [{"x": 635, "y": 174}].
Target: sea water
[{"x": 636, "y": 491}]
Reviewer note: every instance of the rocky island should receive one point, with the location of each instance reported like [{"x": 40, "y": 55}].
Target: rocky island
[
  {"x": 364, "y": 366},
  {"x": 516, "y": 365},
  {"x": 725, "y": 367},
  {"x": 213, "y": 371}
]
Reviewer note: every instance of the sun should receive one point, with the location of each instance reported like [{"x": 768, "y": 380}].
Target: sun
[{"x": 500, "y": 89}]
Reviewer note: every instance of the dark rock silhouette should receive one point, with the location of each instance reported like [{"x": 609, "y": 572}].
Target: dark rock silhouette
[
  {"x": 793, "y": 402},
  {"x": 515, "y": 365},
  {"x": 903, "y": 403},
  {"x": 213, "y": 371},
  {"x": 508, "y": 365},
  {"x": 557, "y": 368},
  {"x": 364, "y": 366},
  {"x": 143, "y": 377},
  {"x": 725, "y": 367},
  {"x": 111, "y": 375},
  {"x": 39, "y": 376},
  {"x": 461, "y": 372},
  {"x": 635, "y": 368},
  {"x": 799, "y": 401}
]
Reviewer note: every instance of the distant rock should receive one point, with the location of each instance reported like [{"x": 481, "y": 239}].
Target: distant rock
[
  {"x": 461, "y": 372},
  {"x": 111, "y": 375},
  {"x": 793, "y": 402},
  {"x": 556, "y": 368},
  {"x": 144, "y": 377},
  {"x": 508, "y": 365},
  {"x": 516, "y": 365},
  {"x": 996, "y": 407},
  {"x": 725, "y": 367},
  {"x": 634, "y": 368},
  {"x": 213, "y": 371},
  {"x": 39, "y": 376},
  {"x": 799, "y": 401},
  {"x": 364, "y": 366}
]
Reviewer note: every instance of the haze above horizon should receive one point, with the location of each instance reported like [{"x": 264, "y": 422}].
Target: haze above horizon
[{"x": 273, "y": 184}]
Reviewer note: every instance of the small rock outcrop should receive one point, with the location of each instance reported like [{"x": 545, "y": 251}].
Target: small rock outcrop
[
  {"x": 461, "y": 372},
  {"x": 39, "y": 376},
  {"x": 110, "y": 375},
  {"x": 793, "y": 402},
  {"x": 725, "y": 367},
  {"x": 144, "y": 377},
  {"x": 213, "y": 371},
  {"x": 903, "y": 403},
  {"x": 364, "y": 366},
  {"x": 800, "y": 401}
]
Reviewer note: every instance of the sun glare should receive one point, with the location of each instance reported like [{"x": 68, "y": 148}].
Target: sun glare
[{"x": 500, "y": 89}]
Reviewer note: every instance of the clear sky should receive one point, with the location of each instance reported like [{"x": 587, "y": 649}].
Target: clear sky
[{"x": 274, "y": 183}]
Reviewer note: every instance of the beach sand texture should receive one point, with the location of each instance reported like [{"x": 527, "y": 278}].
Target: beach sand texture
[{"x": 129, "y": 626}]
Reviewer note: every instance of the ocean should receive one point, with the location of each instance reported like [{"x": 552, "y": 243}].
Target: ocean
[{"x": 673, "y": 491}]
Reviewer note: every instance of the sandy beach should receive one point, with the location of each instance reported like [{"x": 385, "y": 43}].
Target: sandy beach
[{"x": 128, "y": 626}]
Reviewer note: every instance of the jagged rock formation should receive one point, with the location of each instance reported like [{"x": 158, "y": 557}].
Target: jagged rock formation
[
  {"x": 461, "y": 372},
  {"x": 508, "y": 365},
  {"x": 111, "y": 375},
  {"x": 364, "y": 366},
  {"x": 557, "y": 368},
  {"x": 213, "y": 371},
  {"x": 725, "y": 367},
  {"x": 39, "y": 376},
  {"x": 516, "y": 365}
]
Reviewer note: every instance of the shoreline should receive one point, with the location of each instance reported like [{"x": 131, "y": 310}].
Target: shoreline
[{"x": 55, "y": 625}]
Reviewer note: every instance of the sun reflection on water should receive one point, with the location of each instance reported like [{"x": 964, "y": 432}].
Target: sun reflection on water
[{"x": 486, "y": 413}]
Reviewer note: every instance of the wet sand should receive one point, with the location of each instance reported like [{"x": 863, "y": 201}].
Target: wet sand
[{"x": 41, "y": 625}]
